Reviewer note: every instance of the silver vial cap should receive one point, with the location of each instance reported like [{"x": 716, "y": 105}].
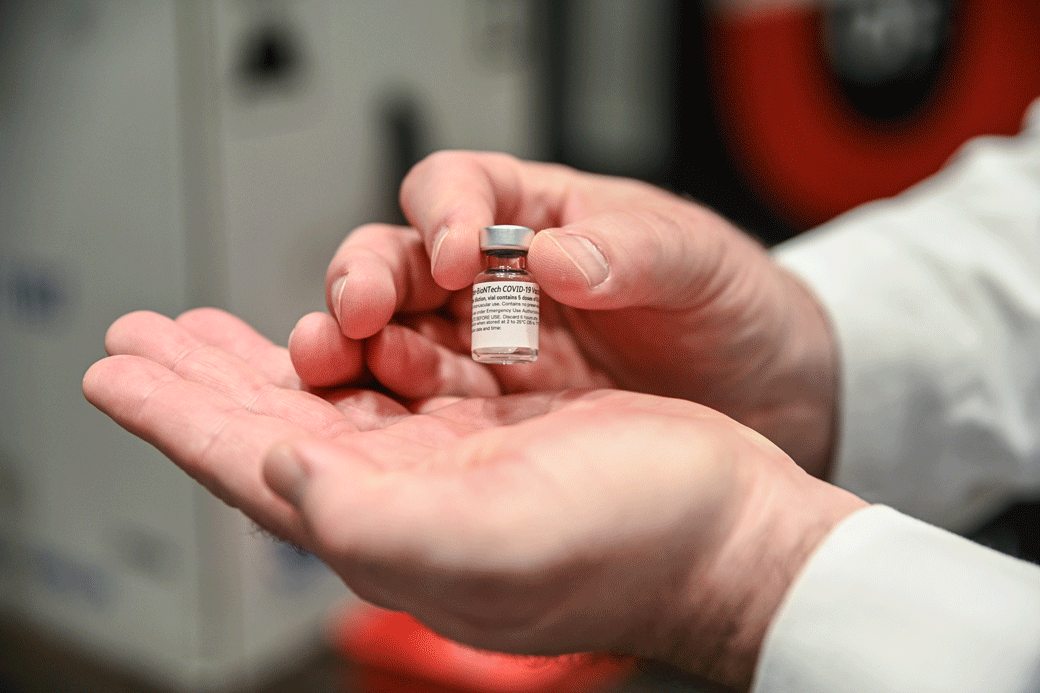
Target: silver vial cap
[{"x": 506, "y": 237}]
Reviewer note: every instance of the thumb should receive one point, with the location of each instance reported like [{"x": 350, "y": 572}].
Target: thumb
[
  {"x": 623, "y": 259},
  {"x": 368, "y": 502}
]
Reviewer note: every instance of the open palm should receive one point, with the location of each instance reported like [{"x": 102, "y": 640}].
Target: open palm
[{"x": 544, "y": 522}]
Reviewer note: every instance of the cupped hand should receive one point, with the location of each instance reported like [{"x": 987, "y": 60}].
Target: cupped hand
[
  {"x": 534, "y": 523},
  {"x": 642, "y": 290}
]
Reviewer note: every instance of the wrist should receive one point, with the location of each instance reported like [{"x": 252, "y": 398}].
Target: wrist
[{"x": 729, "y": 601}]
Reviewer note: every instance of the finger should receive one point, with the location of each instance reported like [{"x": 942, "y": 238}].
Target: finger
[
  {"x": 159, "y": 339},
  {"x": 561, "y": 364},
  {"x": 450, "y": 196},
  {"x": 436, "y": 361},
  {"x": 415, "y": 367},
  {"x": 221, "y": 329},
  {"x": 450, "y": 332},
  {"x": 370, "y": 500},
  {"x": 346, "y": 521},
  {"x": 662, "y": 253},
  {"x": 322, "y": 355},
  {"x": 380, "y": 494},
  {"x": 430, "y": 541},
  {"x": 379, "y": 270},
  {"x": 207, "y": 434}
]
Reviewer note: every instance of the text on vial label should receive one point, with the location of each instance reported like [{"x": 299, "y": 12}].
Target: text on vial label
[{"x": 505, "y": 314}]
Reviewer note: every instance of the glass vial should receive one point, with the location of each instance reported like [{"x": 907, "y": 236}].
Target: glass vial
[{"x": 505, "y": 298}]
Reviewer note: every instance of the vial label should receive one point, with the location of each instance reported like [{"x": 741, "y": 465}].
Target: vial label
[{"x": 505, "y": 314}]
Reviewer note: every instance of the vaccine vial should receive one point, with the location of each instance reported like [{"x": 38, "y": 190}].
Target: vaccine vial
[{"x": 505, "y": 298}]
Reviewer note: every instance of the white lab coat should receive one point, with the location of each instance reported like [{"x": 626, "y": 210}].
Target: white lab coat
[{"x": 935, "y": 301}]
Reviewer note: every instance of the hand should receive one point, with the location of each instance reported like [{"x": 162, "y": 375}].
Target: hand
[
  {"x": 642, "y": 290},
  {"x": 536, "y": 523}
]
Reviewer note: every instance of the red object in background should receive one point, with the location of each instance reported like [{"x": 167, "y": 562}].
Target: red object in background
[
  {"x": 805, "y": 148},
  {"x": 391, "y": 652}
]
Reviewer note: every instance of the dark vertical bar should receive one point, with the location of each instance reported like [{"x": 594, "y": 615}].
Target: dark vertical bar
[{"x": 550, "y": 35}]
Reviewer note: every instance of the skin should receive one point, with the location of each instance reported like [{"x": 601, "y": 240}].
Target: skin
[
  {"x": 536, "y": 523},
  {"x": 621, "y": 494},
  {"x": 680, "y": 304}
]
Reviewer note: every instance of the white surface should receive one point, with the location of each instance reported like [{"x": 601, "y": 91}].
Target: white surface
[
  {"x": 890, "y": 603},
  {"x": 505, "y": 315},
  {"x": 935, "y": 300},
  {"x": 134, "y": 174}
]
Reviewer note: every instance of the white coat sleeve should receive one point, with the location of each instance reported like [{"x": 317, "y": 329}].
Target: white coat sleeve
[
  {"x": 935, "y": 301},
  {"x": 934, "y": 297},
  {"x": 889, "y": 604}
]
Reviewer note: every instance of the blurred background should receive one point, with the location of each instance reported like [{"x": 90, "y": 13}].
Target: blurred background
[{"x": 166, "y": 155}]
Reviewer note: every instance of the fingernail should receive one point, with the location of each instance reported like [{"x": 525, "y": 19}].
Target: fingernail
[
  {"x": 285, "y": 474},
  {"x": 337, "y": 296},
  {"x": 585, "y": 256},
  {"x": 438, "y": 240}
]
